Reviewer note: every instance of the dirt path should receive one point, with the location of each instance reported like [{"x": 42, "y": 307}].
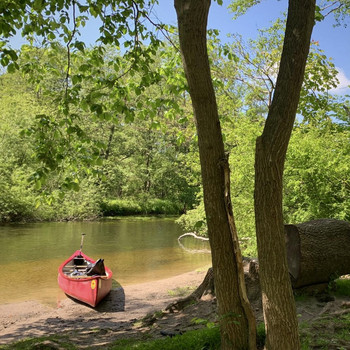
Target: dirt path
[{"x": 114, "y": 316}]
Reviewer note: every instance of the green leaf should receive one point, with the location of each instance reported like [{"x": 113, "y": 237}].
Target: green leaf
[
  {"x": 80, "y": 46},
  {"x": 318, "y": 15},
  {"x": 12, "y": 67},
  {"x": 97, "y": 108},
  {"x": 75, "y": 186},
  {"x": 199, "y": 224},
  {"x": 38, "y": 184},
  {"x": 37, "y": 5}
]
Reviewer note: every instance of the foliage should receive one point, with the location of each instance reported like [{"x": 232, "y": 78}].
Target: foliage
[
  {"x": 136, "y": 159},
  {"x": 16, "y": 201},
  {"x": 194, "y": 220},
  {"x": 118, "y": 127},
  {"x": 342, "y": 286},
  {"x": 244, "y": 96},
  {"x": 149, "y": 206},
  {"x": 316, "y": 175},
  {"x": 82, "y": 77},
  {"x": 260, "y": 335}
]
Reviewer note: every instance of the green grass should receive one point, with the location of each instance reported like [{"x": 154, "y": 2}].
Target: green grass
[
  {"x": 330, "y": 332},
  {"x": 342, "y": 287},
  {"x": 208, "y": 338},
  {"x": 181, "y": 291}
]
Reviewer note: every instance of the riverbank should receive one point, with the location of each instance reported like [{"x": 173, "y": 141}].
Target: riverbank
[
  {"x": 113, "y": 319},
  {"x": 324, "y": 322}
]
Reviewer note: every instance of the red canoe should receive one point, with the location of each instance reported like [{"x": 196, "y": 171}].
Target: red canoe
[{"x": 85, "y": 279}]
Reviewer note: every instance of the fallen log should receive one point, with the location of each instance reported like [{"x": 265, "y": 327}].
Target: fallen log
[{"x": 318, "y": 251}]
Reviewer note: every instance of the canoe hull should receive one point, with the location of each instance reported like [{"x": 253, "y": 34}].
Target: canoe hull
[{"x": 88, "y": 289}]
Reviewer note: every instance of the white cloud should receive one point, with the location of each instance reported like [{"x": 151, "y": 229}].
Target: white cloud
[{"x": 344, "y": 83}]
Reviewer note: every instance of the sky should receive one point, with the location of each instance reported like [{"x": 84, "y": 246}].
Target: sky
[{"x": 335, "y": 41}]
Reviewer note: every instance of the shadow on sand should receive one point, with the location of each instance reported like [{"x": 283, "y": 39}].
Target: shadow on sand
[{"x": 73, "y": 317}]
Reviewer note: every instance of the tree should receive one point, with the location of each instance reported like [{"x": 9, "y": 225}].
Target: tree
[
  {"x": 271, "y": 147},
  {"x": 236, "y": 317},
  {"x": 238, "y": 324}
]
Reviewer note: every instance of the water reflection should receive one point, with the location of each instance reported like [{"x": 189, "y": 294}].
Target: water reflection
[{"x": 136, "y": 251}]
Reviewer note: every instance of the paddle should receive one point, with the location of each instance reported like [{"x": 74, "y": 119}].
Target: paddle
[
  {"x": 78, "y": 259},
  {"x": 82, "y": 241}
]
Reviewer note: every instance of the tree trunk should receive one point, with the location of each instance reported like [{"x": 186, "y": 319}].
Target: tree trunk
[
  {"x": 278, "y": 304},
  {"x": 251, "y": 278},
  {"x": 109, "y": 145},
  {"x": 236, "y": 317},
  {"x": 318, "y": 251}
]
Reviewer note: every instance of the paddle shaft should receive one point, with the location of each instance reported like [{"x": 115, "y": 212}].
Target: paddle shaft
[{"x": 82, "y": 241}]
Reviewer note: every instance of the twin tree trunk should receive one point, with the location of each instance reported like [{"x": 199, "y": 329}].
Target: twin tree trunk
[
  {"x": 271, "y": 147},
  {"x": 236, "y": 317}
]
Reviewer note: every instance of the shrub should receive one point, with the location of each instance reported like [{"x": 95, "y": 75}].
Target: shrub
[{"x": 153, "y": 206}]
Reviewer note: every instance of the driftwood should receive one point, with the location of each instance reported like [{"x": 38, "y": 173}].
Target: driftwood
[
  {"x": 193, "y": 251},
  {"x": 318, "y": 251}
]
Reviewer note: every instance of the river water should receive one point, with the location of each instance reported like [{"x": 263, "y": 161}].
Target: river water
[{"x": 135, "y": 249}]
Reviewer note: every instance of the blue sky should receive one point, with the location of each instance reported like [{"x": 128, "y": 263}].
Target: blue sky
[{"x": 335, "y": 41}]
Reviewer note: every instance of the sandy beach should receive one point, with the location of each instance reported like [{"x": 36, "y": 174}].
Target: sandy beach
[{"x": 115, "y": 315}]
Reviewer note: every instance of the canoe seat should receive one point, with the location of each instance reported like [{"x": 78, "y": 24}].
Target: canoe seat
[
  {"x": 79, "y": 267},
  {"x": 79, "y": 260}
]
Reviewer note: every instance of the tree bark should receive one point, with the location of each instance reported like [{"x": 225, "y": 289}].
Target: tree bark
[
  {"x": 278, "y": 304},
  {"x": 317, "y": 251},
  {"x": 236, "y": 317}
]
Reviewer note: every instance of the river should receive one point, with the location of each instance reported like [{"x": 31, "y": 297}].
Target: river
[{"x": 135, "y": 249}]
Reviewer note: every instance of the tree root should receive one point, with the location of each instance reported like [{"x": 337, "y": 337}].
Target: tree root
[
  {"x": 251, "y": 276},
  {"x": 206, "y": 287}
]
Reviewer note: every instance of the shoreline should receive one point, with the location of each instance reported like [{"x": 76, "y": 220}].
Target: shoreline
[{"x": 118, "y": 311}]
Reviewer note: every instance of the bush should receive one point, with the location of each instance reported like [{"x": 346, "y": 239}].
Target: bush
[
  {"x": 123, "y": 207},
  {"x": 115, "y": 207},
  {"x": 161, "y": 206}
]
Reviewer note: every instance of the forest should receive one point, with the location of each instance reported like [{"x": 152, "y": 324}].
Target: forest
[
  {"x": 131, "y": 148},
  {"x": 236, "y": 138}
]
